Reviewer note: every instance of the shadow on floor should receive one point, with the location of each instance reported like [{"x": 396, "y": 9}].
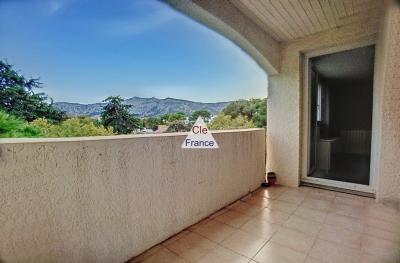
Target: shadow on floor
[{"x": 351, "y": 168}]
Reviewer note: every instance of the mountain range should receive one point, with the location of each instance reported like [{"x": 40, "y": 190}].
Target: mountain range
[{"x": 144, "y": 107}]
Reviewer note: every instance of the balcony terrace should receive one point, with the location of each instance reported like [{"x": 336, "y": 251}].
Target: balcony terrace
[
  {"x": 109, "y": 199},
  {"x": 283, "y": 224}
]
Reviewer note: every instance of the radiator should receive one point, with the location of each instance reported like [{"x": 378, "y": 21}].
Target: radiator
[{"x": 356, "y": 141}]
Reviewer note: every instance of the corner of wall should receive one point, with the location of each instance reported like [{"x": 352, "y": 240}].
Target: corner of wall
[{"x": 386, "y": 166}]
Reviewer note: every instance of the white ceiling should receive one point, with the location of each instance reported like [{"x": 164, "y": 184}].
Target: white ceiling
[
  {"x": 286, "y": 20},
  {"x": 353, "y": 64}
]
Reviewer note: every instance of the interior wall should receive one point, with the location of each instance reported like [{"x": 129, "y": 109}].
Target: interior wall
[
  {"x": 350, "y": 105},
  {"x": 386, "y": 108},
  {"x": 286, "y": 118}
]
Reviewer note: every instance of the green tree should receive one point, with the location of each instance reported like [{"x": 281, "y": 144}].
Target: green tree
[
  {"x": 117, "y": 115},
  {"x": 152, "y": 123},
  {"x": 18, "y": 98},
  {"x": 73, "y": 127},
  {"x": 169, "y": 118},
  {"x": 177, "y": 126},
  {"x": 223, "y": 121},
  {"x": 254, "y": 109},
  {"x": 260, "y": 113},
  {"x": 13, "y": 127},
  {"x": 206, "y": 115}
]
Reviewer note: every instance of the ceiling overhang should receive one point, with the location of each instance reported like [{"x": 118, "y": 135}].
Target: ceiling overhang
[{"x": 228, "y": 20}]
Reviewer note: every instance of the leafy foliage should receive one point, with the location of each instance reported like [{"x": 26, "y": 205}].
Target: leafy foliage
[
  {"x": 18, "y": 98},
  {"x": 206, "y": 115},
  {"x": 223, "y": 121},
  {"x": 152, "y": 123},
  {"x": 178, "y": 126},
  {"x": 170, "y": 118},
  {"x": 254, "y": 109},
  {"x": 13, "y": 127},
  {"x": 73, "y": 127},
  {"x": 11, "y": 78},
  {"x": 116, "y": 115}
]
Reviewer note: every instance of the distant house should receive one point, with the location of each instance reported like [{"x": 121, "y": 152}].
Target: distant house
[
  {"x": 161, "y": 128},
  {"x": 186, "y": 121}
]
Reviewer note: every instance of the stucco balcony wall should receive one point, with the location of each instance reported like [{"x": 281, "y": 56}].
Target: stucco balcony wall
[{"x": 107, "y": 199}]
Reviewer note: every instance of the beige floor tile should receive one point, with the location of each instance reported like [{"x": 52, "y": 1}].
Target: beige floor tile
[
  {"x": 305, "y": 226},
  {"x": 349, "y": 210},
  {"x": 273, "y": 216},
  {"x": 348, "y": 201},
  {"x": 372, "y": 258},
  {"x": 200, "y": 223},
  {"x": 272, "y": 225},
  {"x": 383, "y": 225},
  {"x": 340, "y": 235},
  {"x": 351, "y": 223},
  {"x": 247, "y": 209},
  {"x": 317, "y": 204},
  {"x": 311, "y": 214},
  {"x": 233, "y": 218},
  {"x": 192, "y": 246},
  {"x": 233, "y": 205},
  {"x": 244, "y": 243},
  {"x": 214, "y": 230},
  {"x": 320, "y": 194},
  {"x": 301, "y": 189},
  {"x": 383, "y": 212},
  {"x": 370, "y": 201},
  {"x": 260, "y": 228},
  {"x": 276, "y": 253},
  {"x": 259, "y": 201},
  {"x": 291, "y": 196},
  {"x": 334, "y": 253},
  {"x": 164, "y": 256},
  {"x": 313, "y": 260},
  {"x": 352, "y": 196},
  {"x": 272, "y": 192},
  {"x": 220, "y": 212},
  {"x": 221, "y": 255},
  {"x": 146, "y": 254},
  {"x": 393, "y": 235},
  {"x": 387, "y": 251},
  {"x": 293, "y": 239},
  {"x": 176, "y": 237},
  {"x": 282, "y": 206},
  {"x": 248, "y": 196}
]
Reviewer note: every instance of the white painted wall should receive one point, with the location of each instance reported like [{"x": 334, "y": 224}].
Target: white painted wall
[
  {"x": 386, "y": 110},
  {"x": 287, "y": 114},
  {"x": 107, "y": 199}
]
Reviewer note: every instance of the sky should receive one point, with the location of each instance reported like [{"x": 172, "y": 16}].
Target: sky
[{"x": 86, "y": 50}]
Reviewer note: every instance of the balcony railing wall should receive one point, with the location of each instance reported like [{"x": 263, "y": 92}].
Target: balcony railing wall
[{"x": 107, "y": 199}]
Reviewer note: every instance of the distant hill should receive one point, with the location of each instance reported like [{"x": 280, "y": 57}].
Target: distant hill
[{"x": 144, "y": 107}]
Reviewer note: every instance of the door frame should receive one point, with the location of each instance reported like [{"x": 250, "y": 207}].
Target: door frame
[{"x": 305, "y": 126}]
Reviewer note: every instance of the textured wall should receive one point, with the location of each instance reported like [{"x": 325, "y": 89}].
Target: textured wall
[
  {"x": 388, "y": 107},
  {"x": 284, "y": 149},
  {"x": 107, "y": 199}
]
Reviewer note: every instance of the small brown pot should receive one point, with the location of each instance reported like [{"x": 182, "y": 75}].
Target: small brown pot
[{"x": 271, "y": 177}]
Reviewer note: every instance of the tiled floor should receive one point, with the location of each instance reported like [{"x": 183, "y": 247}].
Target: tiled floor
[{"x": 281, "y": 224}]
